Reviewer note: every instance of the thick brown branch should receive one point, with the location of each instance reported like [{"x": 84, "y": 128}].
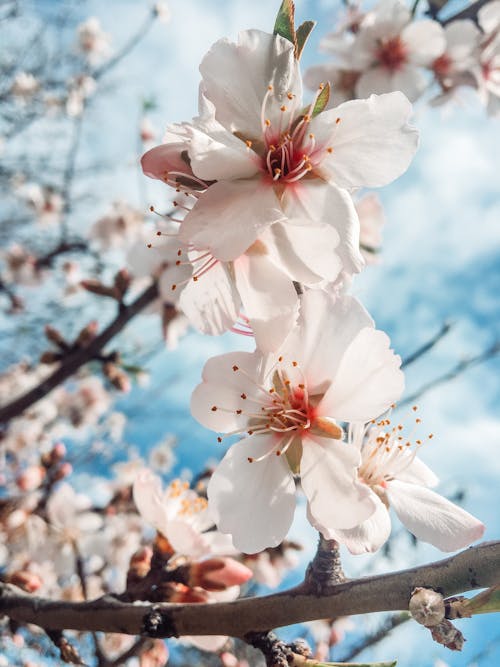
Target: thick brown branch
[
  {"x": 76, "y": 360},
  {"x": 476, "y": 567}
]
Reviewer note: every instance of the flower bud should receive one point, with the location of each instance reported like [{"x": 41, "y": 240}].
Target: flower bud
[
  {"x": 217, "y": 574},
  {"x": 140, "y": 563},
  {"x": 26, "y": 580},
  {"x": 31, "y": 478},
  {"x": 156, "y": 656},
  {"x": 63, "y": 471},
  {"x": 427, "y": 607}
]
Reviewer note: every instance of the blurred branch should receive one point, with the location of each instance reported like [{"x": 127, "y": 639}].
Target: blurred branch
[
  {"x": 469, "y": 12},
  {"x": 371, "y": 639},
  {"x": 460, "y": 368},
  {"x": 426, "y": 347},
  {"x": 476, "y": 567},
  {"x": 73, "y": 362}
]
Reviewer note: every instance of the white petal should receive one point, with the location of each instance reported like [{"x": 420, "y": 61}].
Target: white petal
[
  {"x": 209, "y": 643},
  {"x": 418, "y": 473},
  {"x": 236, "y": 77},
  {"x": 148, "y": 497},
  {"x": 376, "y": 80},
  {"x": 489, "y": 16},
  {"x": 186, "y": 540},
  {"x": 328, "y": 473},
  {"x": 253, "y": 502},
  {"x": 370, "y": 535},
  {"x": 322, "y": 202},
  {"x": 373, "y": 143},
  {"x": 432, "y": 518},
  {"x": 368, "y": 380},
  {"x": 306, "y": 252},
  {"x": 326, "y": 328},
  {"x": 462, "y": 37},
  {"x": 228, "y": 217},
  {"x": 425, "y": 41},
  {"x": 216, "y": 155},
  {"x": 269, "y": 299},
  {"x": 410, "y": 80},
  {"x": 220, "y": 544},
  {"x": 211, "y": 303}
]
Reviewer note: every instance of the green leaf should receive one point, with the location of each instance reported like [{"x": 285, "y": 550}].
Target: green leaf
[
  {"x": 321, "y": 100},
  {"x": 285, "y": 22},
  {"x": 303, "y": 32},
  {"x": 484, "y": 603}
]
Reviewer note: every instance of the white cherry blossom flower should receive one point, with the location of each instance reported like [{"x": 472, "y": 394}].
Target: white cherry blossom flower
[
  {"x": 333, "y": 367},
  {"x": 271, "y": 160},
  {"x": 391, "y": 50},
  {"x": 180, "y": 515},
  {"x": 460, "y": 54},
  {"x": 93, "y": 42},
  {"x": 487, "y": 72},
  {"x": 397, "y": 477}
]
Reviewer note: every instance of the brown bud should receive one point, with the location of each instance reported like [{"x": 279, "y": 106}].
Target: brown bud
[
  {"x": 87, "y": 334},
  {"x": 96, "y": 287},
  {"x": 427, "y": 607},
  {"x": 122, "y": 282},
  {"x": 118, "y": 378},
  {"x": 448, "y": 635},
  {"x": 55, "y": 336},
  {"x": 49, "y": 357}
]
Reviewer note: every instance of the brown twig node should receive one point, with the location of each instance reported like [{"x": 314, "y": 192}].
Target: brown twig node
[{"x": 325, "y": 570}]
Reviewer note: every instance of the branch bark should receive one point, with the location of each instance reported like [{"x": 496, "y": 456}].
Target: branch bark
[
  {"x": 73, "y": 362},
  {"x": 476, "y": 567}
]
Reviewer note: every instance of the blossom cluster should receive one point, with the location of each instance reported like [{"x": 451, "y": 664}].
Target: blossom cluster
[
  {"x": 386, "y": 48},
  {"x": 267, "y": 240}
]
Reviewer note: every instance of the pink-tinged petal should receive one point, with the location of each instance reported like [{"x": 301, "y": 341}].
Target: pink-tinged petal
[
  {"x": 306, "y": 252},
  {"x": 370, "y": 535},
  {"x": 220, "y": 369},
  {"x": 322, "y": 202},
  {"x": 228, "y": 217},
  {"x": 328, "y": 473},
  {"x": 211, "y": 303},
  {"x": 236, "y": 78},
  {"x": 373, "y": 143},
  {"x": 462, "y": 38},
  {"x": 253, "y": 502},
  {"x": 219, "y": 544},
  {"x": 418, "y": 473},
  {"x": 269, "y": 298},
  {"x": 169, "y": 156},
  {"x": 424, "y": 40},
  {"x": 410, "y": 80},
  {"x": 367, "y": 382},
  {"x": 216, "y": 154},
  {"x": 148, "y": 498},
  {"x": 432, "y": 518},
  {"x": 326, "y": 328}
]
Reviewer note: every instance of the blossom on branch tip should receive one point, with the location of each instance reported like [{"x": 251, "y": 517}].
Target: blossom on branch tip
[
  {"x": 397, "y": 477},
  {"x": 333, "y": 367}
]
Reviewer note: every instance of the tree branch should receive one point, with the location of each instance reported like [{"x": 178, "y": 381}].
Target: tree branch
[
  {"x": 476, "y": 567},
  {"x": 76, "y": 360}
]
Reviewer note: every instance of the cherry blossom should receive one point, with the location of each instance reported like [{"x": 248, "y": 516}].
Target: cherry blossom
[
  {"x": 333, "y": 367},
  {"x": 452, "y": 67},
  {"x": 180, "y": 515},
  {"x": 390, "y": 49},
  {"x": 120, "y": 226},
  {"x": 487, "y": 73},
  {"x": 92, "y": 40},
  {"x": 397, "y": 477}
]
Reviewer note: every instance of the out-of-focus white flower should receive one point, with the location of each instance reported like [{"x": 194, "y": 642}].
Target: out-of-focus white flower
[
  {"x": 162, "y": 457},
  {"x": 79, "y": 89},
  {"x": 118, "y": 228},
  {"x": 147, "y": 130},
  {"x": 20, "y": 266},
  {"x": 162, "y": 11},
  {"x": 46, "y": 202},
  {"x": 371, "y": 221},
  {"x": 398, "y": 478},
  {"x": 180, "y": 515},
  {"x": 390, "y": 50},
  {"x": 93, "y": 42},
  {"x": 487, "y": 72},
  {"x": 333, "y": 367},
  {"x": 25, "y": 85},
  {"x": 460, "y": 54}
]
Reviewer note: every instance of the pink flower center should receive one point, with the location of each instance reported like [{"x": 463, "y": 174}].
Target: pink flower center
[
  {"x": 442, "y": 65},
  {"x": 392, "y": 53}
]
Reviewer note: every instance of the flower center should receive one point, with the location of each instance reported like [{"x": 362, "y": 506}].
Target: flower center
[
  {"x": 392, "y": 53},
  {"x": 442, "y": 65}
]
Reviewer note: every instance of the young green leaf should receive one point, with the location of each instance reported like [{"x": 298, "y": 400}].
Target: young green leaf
[
  {"x": 285, "y": 22},
  {"x": 321, "y": 100},
  {"x": 485, "y": 602},
  {"x": 303, "y": 32}
]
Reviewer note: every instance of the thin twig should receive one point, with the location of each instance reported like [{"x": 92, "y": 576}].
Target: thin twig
[
  {"x": 426, "y": 347},
  {"x": 73, "y": 362},
  {"x": 370, "y": 640},
  {"x": 460, "y": 368}
]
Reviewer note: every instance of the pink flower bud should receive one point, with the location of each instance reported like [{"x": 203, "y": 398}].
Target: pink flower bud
[
  {"x": 58, "y": 451},
  {"x": 156, "y": 656},
  {"x": 26, "y": 580},
  {"x": 217, "y": 574},
  {"x": 31, "y": 478},
  {"x": 63, "y": 471}
]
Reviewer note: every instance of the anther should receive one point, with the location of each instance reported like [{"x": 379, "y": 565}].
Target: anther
[
  {"x": 152, "y": 209},
  {"x": 214, "y": 408},
  {"x": 283, "y": 108},
  {"x": 174, "y": 287},
  {"x": 337, "y": 121},
  {"x": 149, "y": 245},
  {"x": 238, "y": 412},
  {"x": 290, "y": 96},
  {"x": 248, "y": 143},
  {"x": 243, "y": 396},
  {"x": 250, "y": 459},
  {"x": 267, "y": 122},
  {"x": 236, "y": 368}
]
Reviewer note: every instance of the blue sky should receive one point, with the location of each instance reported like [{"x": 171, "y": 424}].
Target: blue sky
[{"x": 440, "y": 262}]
